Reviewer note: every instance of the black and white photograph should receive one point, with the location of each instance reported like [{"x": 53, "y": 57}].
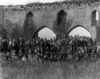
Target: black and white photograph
[{"x": 49, "y": 39}]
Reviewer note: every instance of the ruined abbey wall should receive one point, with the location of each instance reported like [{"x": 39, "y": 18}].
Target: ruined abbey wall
[
  {"x": 47, "y": 16},
  {"x": 1, "y": 15}
]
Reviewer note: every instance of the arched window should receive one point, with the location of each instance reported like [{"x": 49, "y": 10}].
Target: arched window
[
  {"x": 29, "y": 17},
  {"x": 44, "y": 32},
  {"x": 61, "y": 17},
  {"x": 80, "y": 31},
  {"x": 94, "y": 18},
  {"x": 60, "y": 24}
]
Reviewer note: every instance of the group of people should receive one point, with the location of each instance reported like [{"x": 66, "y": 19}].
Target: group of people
[{"x": 49, "y": 50}]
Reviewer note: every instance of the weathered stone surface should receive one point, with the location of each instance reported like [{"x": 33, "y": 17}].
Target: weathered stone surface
[{"x": 46, "y": 15}]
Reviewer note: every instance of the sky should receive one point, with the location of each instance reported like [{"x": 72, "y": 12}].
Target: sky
[
  {"x": 49, "y": 34},
  {"x": 79, "y": 31},
  {"x": 46, "y": 33},
  {"x": 17, "y": 2}
]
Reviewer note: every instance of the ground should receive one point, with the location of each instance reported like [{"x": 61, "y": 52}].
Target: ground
[{"x": 85, "y": 69}]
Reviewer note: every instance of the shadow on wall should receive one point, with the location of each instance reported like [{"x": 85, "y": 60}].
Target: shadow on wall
[
  {"x": 13, "y": 30},
  {"x": 3, "y": 32},
  {"x": 28, "y": 27},
  {"x": 9, "y": 27},
  {"x": 16, "y": 32},
  {"x": 61, "y": 25}
]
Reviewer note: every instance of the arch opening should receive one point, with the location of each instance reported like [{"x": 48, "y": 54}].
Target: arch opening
[
  {"x": 45, "y": 33},
  {"x": 79, "y": 31},
  {"x": 95, "y": 18}
]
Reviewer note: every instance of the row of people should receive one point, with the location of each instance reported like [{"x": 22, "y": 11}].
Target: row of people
[{"x": 50, "y": 50}]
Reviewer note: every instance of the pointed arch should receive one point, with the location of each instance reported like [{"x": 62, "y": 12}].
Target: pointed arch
[
  {"x": 41, "y": 29},
  {"x": 83, "y": 31}
]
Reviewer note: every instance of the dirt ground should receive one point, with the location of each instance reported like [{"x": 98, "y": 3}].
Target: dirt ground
[{"x": 84, "y": 69}]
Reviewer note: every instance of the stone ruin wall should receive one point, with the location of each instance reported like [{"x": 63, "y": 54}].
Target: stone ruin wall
[{"x": 75, "y": 15}]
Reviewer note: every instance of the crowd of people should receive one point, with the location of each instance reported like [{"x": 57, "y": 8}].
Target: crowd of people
[{"x": 49, "y": 50}]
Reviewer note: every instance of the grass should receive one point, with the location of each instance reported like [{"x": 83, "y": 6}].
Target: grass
[{"x": 85, "y": 69}]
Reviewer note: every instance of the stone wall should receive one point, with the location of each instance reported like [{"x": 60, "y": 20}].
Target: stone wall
[
  {"x": 1, "y": 15},
  {"x": 76, "y": 14}
]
